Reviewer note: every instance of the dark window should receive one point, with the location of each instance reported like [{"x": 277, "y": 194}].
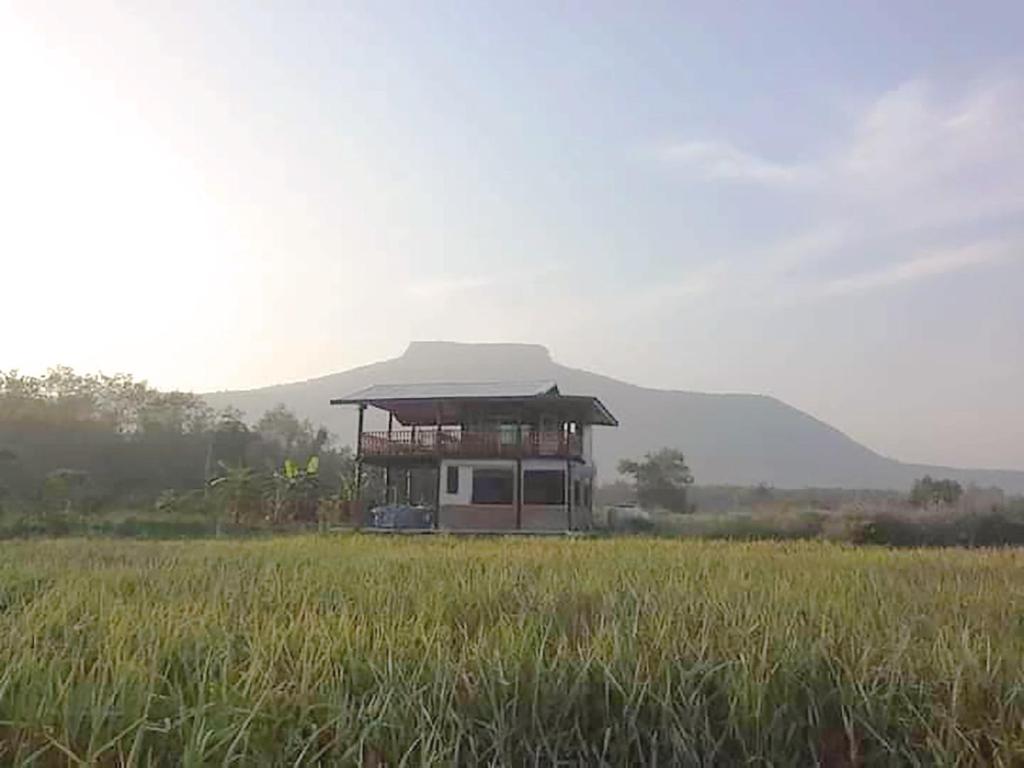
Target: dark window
[
  {"x": 586, "y": 495},
  {"x": 576, "y": 500},
  {"x": 493, "y": 486},
  {"x": 544, "y": 486},
  {"x": 452, "y": 481}
]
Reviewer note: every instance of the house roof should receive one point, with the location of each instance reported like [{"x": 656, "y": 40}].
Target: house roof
[
  {"x": 449, "y": 402},
  {"x": 450, "y": 390}
]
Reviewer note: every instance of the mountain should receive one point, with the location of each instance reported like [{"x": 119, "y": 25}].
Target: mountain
[{"x": 730, "y": 438}]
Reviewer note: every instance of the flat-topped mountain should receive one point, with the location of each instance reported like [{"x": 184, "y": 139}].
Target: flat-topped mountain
[{"x": 727, "y": 438}]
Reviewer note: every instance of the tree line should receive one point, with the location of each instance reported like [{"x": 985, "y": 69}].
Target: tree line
[{"x": 79, "y": 443}]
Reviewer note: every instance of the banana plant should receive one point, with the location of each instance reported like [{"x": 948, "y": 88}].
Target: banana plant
[
  {"x": 293, "y": 479},
  {"x": 239, "y": 485}
]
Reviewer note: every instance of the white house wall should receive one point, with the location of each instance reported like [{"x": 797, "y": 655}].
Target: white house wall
[
  {"x": 465, "y": 466},
  {"x": 457, "y": 510}
]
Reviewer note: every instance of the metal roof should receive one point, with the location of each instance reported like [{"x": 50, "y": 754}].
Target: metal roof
[
  {"x": 447, "y": 402},
  {"x": 448, "y": 390}
]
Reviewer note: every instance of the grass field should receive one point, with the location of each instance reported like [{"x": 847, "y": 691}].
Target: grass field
[{"x": 348, "y": 649}]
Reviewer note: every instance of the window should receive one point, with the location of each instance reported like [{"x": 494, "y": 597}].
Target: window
[
  {"x": 493, "y": 486},
  {"x": 576, "y": 499},
  {"x": 543, "y": 486},
  {"x": 509, "y": 434},
  {"x": 452, "y": 481}
]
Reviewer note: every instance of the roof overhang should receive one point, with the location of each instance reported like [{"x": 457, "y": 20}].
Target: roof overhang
[{"x": 448, "y": 404}]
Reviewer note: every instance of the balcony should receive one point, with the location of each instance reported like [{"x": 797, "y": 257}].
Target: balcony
[{"x": 429, "y": 443}]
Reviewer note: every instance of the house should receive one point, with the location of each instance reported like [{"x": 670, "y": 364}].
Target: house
[{"x": 499, "y": 456}]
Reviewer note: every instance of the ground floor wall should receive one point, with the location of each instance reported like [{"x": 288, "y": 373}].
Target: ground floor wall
[
  {"x": 458, "y": 509},
  {"x": 488, "y": 517}
]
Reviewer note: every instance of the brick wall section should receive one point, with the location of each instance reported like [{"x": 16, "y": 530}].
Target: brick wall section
[{"x": 502, "y": 517}]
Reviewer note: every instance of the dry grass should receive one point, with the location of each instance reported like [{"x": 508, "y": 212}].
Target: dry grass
[{"x": 371, "y": 651}]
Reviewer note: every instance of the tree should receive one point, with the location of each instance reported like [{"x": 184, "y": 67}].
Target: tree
[
  {"x": 660, "y": 479},
  {"x": 279, "y": 425},
  {"x": 929, "y": 492},
  {"x": 240, "y": 487},
  {"x": 133, "y": 443},
  {"x": 67, "y": 488}
]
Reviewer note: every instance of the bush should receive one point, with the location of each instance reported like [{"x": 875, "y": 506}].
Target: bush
[{"x": 886, "y": 525}]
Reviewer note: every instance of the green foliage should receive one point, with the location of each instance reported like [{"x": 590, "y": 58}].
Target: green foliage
[
  {"x": 893, "y": 526},
  {"x": 927, "y": 492},
  {"x": 240, "y": 489},
  {"x": 390, "y": 651},
  {"x": 661, "y": 479},
  {"x": 65, "y": 488},
  {"x": 135, "y": 444},
  {"x": 296, "y": 490}
]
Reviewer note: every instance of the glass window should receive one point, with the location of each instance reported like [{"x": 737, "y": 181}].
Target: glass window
[
  {"x": 452, "y": 481},
  {"x": 493, "y": 486},
  {"x": 544, "y": 486},
  {"x": 509, "y": 434},
  {"x": 576, "y": 500}
]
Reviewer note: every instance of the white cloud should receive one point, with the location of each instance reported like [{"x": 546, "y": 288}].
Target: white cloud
[
  {"x": 917, "y": 159},
  {"x": 723, "y": 161},
  {"x": 445, "y": 287},
  {"x": 916, "y": 165},
  {"x": 927, "y": 265},
  {"x": 913, "y": 157},
  {"x": 802, "y": 248},
  {"x": 697, "y": 284}
]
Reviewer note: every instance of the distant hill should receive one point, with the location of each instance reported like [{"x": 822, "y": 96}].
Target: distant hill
[{"x": 728, "y": 439}]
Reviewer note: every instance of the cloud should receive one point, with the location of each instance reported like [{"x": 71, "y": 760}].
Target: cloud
[
  {"x": 928, "y": 265},
  {"x": 696, "y": 284},
  {"x": 915, "y": 165},
  {"x": 919, "y": 159},
  {"x": 723, "y": 161},
  {"x": 445, "y": 287},
  {"x": 794, "y": 252},
  {"x": 913, "y": 156}
]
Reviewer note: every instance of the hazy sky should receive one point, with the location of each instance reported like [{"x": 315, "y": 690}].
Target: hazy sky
[{"x": 818, "y": 201}]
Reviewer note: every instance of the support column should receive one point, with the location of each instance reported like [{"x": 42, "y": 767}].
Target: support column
[
  {"x": 359, "y": 460},
  {"x": 437, "y": 505},
  {"x": 519, "y": 472},
  {"x": 438, "y": 453},
  {"x": 519, "y": 493},
  {"x": 568, "y": 493},
  {"x": 387, "y": 467}
]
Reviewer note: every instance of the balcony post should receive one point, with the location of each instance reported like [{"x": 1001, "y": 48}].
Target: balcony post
[{"x": 437, "y": 422}]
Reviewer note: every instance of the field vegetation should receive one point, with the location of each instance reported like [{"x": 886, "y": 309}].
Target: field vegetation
[{"x": 362, "y": 650}]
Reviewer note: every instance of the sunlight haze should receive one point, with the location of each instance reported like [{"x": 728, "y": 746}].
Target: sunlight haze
[{"x": 822, "y": 204}]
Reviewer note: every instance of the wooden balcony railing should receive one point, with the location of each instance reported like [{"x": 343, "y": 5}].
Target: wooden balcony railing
[{"x": 477, "y": 445}]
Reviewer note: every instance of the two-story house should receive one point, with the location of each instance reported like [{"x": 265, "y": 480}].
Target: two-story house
[{"x": 505, "y": 456}]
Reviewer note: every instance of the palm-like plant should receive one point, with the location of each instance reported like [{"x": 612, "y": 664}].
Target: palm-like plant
[
  {"x": 295, "y": 482},
  {"x": 239, "y": 486}
]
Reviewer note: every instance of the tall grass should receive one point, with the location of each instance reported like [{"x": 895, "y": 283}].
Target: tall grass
[{"x": 412, "y": 651}]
